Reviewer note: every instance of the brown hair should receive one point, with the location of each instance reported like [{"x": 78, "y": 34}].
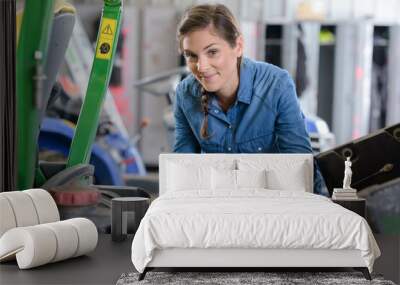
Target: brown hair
[{"x": 225, "y": 25}]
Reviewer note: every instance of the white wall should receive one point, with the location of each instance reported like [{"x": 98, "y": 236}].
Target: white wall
[{"x": 159, "y": 52}]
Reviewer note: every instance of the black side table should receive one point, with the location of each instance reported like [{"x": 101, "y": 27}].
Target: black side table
[
  {"x": 355, "y": 205},
  {"x": 126, "y": 214}
]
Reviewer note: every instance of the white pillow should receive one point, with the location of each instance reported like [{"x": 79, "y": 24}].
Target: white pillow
[
  {"x": 282, "y": 173},
  {"x": 223, "y": 179},
  {"x": 251, "y": 178},
  {"x": 226, "y": 179},
  {"x": 282, "y": 180},
  {"x": 191, "y": 174},
  {"x": 183, "y": 177}
]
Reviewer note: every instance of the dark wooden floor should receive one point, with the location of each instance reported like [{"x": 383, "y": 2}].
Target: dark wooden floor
[
  {"x": 102, "y": 266},
  {"x": 110, "y": 259}
]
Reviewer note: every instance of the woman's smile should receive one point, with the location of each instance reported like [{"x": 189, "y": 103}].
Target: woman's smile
[{"x": 209, "y": 77}]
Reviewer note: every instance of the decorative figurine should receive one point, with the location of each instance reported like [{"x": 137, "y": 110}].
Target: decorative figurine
[
  {"x": 347, "y": 174},
  {"x": 345, "y": 193}
]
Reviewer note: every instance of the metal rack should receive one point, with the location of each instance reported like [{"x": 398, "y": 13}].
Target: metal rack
[{"x": 342, "y": 97}]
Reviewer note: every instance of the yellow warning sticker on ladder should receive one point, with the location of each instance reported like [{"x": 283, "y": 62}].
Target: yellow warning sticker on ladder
[
  {"x": 107, "y": 30},
  {"x": 105, "y": 43}
]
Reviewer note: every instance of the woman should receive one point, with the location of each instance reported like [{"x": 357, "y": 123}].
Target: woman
[{"x": 231, "y": 104}]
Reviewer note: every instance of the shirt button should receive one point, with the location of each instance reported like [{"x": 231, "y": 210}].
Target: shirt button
[
  {"x": 230, "y": 127},
  {"x": 229, "y": 148},
  {"x": 216, "y": 111},
  {"x": 259, "y": 149}
]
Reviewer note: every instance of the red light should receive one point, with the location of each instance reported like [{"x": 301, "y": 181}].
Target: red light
[{"x": 359, "y": 73}]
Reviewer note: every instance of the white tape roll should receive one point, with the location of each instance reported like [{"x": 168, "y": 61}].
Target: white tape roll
[
  {"x": 67, "y": 239},
  {"x": 33, "y": 246},
  {"x": 37, "y": 245},
  {"x": 7, "y": 217},
  {"x": 23, "y": 208},
  {"x": 45, "y": 206},
  {"x": 87, "y": 234}
]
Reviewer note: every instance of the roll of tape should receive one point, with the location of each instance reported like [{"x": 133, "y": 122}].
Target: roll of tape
[
  {"x": 45, "y": 206},
  {"x": 33, "y": 246},
  {"x": 23, "y": 207},
  {"x": 87, "y": 235},
  {"x": 7, "y": 217},
  {"x": 67, "y": 239}
]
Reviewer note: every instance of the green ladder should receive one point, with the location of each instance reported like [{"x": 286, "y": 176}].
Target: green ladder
[{"x": 29, "y": 54}]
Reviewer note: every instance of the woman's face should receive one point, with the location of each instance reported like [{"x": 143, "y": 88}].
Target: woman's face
[{"x": 212, "y": 60}]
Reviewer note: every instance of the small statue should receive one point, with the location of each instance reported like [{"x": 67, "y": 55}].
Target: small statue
[{"x": 347, "y": 174}]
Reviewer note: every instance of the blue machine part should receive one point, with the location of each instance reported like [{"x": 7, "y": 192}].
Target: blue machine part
[
  {"x": 311, "y": 126},
  {"x": 56, "y": 135},
  {"x": 321, "y": 138},
  {"x": 128, "y": 157}
]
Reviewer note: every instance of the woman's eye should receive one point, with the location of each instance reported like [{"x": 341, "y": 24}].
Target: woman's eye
[{"x": 212, "y": 52}]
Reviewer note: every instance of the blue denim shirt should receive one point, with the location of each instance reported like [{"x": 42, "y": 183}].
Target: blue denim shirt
[{"x": 265, "y": 118}]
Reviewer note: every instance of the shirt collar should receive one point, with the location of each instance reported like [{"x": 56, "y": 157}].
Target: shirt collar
[
  {"x": 245, "y": 91},
  {"x": 196, "y": 87}
]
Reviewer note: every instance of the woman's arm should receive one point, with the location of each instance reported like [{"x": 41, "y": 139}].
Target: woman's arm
[
  {"x": 290, "y": 128},
  {"x": 185, "y": 141}
]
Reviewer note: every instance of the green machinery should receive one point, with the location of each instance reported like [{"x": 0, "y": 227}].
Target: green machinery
[{"x": 31, "y": 51}]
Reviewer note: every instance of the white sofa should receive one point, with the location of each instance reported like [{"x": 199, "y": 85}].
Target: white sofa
[{"x": 247, "y": 210}]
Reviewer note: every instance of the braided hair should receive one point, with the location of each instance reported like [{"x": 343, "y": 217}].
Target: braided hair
[{"x": 204, "y": 105}]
